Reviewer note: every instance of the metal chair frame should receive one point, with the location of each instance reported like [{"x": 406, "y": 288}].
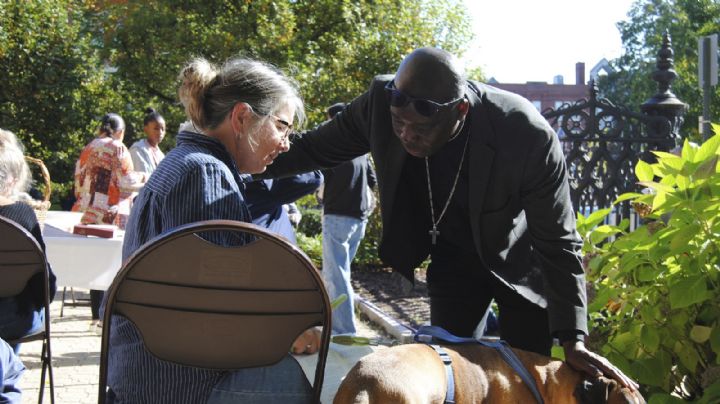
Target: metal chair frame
[
  {"x": 21, "y": 257},
  {"x": 200, "y": 304}
]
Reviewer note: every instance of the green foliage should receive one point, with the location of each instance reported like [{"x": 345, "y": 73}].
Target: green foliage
[
  {"x": 311, "y": 229},
  {"x": 332, "y": 48},
  {"x": 641, "y": 34},
  {"x": 66, "y": 63},
  {"x": 657, "y": 293},
  {"x": 312, "y": 246},
  {"x": 54, "y": 85},
  {"x": 311, "y": 223}
]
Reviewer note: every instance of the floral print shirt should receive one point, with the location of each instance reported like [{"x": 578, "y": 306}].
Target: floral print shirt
[{"x": 105, "y": 182}]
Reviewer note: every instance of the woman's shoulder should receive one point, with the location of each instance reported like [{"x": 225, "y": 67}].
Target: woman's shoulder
[
  {"x": 21, "y": 213},
  {"x": 138, "y": 145}
]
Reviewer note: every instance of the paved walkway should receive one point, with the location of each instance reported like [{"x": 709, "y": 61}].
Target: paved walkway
[{"x": 76, "y": 357}]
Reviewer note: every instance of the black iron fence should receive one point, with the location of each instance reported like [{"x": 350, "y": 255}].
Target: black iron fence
[{"x": 603, "y": 142}]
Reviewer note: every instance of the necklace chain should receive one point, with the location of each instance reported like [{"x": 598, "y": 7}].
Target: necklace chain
[{"x": 434, "y": 232}]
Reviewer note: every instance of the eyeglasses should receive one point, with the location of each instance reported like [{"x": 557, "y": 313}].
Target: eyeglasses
[
  {"x": 423, "y": 107},
  {"x": 287, "y": 127}
]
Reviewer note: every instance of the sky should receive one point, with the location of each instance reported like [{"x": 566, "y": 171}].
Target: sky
[{"x": 535, "y": 40}]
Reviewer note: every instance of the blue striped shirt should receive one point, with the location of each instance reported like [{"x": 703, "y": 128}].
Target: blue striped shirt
[{"x": 197, "y": 180}]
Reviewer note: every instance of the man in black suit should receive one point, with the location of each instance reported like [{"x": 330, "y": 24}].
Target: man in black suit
[{"x": 475, "y": 177}]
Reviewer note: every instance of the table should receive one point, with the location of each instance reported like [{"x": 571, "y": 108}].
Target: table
[{"x": 80, "y": 261}]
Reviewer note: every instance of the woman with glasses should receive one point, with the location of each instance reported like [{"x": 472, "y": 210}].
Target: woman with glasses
[{"x": 240, "y": 116}]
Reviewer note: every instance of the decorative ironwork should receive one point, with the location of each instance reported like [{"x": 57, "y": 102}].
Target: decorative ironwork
[
  {"x": 602, "y": 144},
  {"x": 665, "y": 103}
]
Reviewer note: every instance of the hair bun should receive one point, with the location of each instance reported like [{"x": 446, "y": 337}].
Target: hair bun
[{"x": 197, "y": 77}]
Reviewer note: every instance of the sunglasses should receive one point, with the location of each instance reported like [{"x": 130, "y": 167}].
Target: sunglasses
[{"x": 422, "y": 106}]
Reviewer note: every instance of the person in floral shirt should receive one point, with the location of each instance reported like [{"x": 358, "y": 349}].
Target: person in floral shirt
[
  {"x": 104, "y": 177},
  {"x": 105, "y": 184}
]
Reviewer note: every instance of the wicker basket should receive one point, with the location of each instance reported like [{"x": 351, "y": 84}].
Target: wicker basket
[{"x": 41, "y": 207}]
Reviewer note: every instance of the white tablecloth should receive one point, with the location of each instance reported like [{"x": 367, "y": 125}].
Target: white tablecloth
[{"x": 80, "y": 261}]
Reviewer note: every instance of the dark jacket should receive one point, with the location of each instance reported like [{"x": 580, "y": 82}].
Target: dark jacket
[
  {"x": 265, "y": 199},
  {"x": 522, "y": 219},
  {"x": 346, "y": 188},
  {"x": 33, "y": 296}
]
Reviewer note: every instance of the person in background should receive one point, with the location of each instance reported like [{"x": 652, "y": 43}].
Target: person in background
[
  {"x": 25, "y": 313},
  {"x": 347, "y": 204},
  {"x": 105, "y": 183},
  {"x": 267, "y": 201},
  {"x": 241, "y": 115},
  {"x": 146, "y": 153},
  {"x": 11, "y": 371},
  {"x": 474, "y": 177}
]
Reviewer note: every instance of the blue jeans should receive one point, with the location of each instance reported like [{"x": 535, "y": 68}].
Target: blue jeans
[
  {"x": 14, "y": 325},
  {"x": 341, "y": 238},
  {"x": 284, "y": 382},
  {"x": 11, "y": 370}
]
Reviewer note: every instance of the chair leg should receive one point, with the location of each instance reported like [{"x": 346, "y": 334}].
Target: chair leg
[
  {"x": 46, "y": 361},
  {"x": 62, "y": 303},
  {"x": 41, "y": 392},
  {"x": 50, "y": 373}
]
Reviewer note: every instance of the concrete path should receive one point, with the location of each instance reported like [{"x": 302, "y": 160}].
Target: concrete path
[{"x": 76, "y": 358}]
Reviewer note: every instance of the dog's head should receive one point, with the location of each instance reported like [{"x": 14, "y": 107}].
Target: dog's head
[{"x": 603, "y": 390}]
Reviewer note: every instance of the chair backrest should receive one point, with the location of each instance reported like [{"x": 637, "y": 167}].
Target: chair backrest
[
  {"x": 21, "y": 257},
  {"x": 199, "y": 304}
]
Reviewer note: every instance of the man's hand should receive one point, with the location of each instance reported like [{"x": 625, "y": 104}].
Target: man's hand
[
  {"x": 308, "y": 342},
  {"x": 583, "y": 360}
]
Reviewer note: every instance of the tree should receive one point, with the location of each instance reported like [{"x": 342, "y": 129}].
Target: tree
[
  {"x": 641, "y": 34},
  {"x": 53, "y": 84},
  {"x": 66, "y": 62},
  {"x": 331, "y": 47}
]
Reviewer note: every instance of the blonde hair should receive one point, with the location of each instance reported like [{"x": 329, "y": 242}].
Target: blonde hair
[
  {"x": 209, "y": 93},
  {"x": 14, "y": 170}
]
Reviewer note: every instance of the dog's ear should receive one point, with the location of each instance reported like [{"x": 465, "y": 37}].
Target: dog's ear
[
  {"x": 593, "y": 391},
  {"x": 604, "y": 390}
]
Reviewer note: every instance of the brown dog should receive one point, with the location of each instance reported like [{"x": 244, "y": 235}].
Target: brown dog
[{"x": 414, "y": 374}]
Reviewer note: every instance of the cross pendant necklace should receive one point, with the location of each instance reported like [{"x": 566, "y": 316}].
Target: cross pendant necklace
[{"x": 434, "y": 232}]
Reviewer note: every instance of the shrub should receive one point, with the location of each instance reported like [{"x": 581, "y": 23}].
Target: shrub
[
  {"x": 311, "y": 222},
  {"x": 656, "y": 288},
  {"x": 312, "y": 246}
]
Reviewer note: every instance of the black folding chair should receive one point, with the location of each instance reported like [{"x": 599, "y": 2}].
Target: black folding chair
[{"x": 21, "y": 257}]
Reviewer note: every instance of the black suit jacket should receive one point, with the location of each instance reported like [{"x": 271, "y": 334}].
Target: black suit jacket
[{"x": 522, "y": 219}]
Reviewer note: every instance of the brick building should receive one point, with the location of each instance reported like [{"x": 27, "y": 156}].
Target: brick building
[{"x": 544, "y": 95}]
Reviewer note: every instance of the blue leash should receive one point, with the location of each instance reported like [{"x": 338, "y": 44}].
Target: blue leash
[{"x": 427, "y": 334}]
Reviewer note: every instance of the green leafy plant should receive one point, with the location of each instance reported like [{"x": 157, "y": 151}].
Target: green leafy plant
[
  {"x": 657, "y": 302},
  {"x": 312, "y": 246}
]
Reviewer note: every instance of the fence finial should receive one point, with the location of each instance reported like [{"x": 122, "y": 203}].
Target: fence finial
[{"x": 665, "y": 103}]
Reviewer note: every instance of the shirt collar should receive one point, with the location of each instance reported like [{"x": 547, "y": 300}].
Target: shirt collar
[{"x": 217, "y": 148}]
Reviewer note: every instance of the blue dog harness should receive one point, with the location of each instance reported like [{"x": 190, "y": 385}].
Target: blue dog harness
[{"x": 428, "y": 334}]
